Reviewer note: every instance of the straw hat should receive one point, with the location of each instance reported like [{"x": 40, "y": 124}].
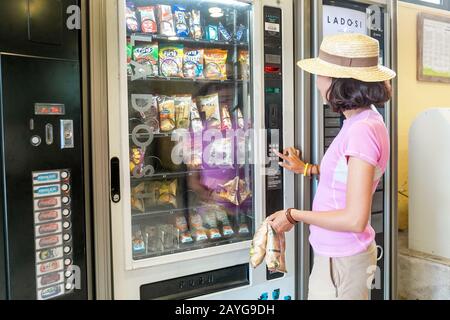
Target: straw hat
[{"x": 348, "y": 55}]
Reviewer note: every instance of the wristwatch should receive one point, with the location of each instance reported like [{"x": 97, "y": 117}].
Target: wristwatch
[{"x": 289, "y": 216}]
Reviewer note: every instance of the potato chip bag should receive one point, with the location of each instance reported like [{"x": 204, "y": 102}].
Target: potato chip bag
[
  {"x": 171, "y": 60},
  {"x": 166, "y": 113},
  {"x": 216, "y": 64},
  {"x": 258, "y": 247},
  {"x": 182, "y": 111},
  {"x": 165, "y": 16},
  {"x": 274, "y": 254},
  {"x": 210, "y": 106},
  {"x": 168, "y": 193},
  {"x": 147, "y": 55},
  {"x": 148, "y": 19},
  {"x": 193, "y": 63}
]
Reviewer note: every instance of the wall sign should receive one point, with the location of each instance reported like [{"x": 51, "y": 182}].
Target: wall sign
[
  {"x": 433, "y": 52},
  {"x": 343, "y": 20}
]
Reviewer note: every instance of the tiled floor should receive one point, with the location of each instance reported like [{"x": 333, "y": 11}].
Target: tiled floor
[{"x": 421, "y": 276}]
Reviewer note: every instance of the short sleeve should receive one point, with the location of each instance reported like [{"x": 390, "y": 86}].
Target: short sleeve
[{"x": 362, "y": 143}]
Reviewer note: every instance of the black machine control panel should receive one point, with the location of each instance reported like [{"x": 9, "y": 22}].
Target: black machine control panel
[
  {"x": 273, "y": 97},
  {"x": 43, "y": 185}
]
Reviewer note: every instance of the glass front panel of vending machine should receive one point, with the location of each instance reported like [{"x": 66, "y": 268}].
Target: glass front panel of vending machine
[{"x": 190, "y": 114}]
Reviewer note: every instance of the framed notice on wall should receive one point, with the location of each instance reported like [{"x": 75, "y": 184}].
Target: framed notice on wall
[{"x": 433, "y": 51}]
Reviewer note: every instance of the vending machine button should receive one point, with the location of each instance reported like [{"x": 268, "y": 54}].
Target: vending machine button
[
  {"x": 66, "y": 225},
  {"x": 67, "y": 249},
  {"x": 65, "y": 187},
  {"x": 68, "y": 286},
  {"x": 65, "y": 200},
  {"x": 66, "y": 237},
  {"x": 36, "y": 141},
  {"x": 68, "y": 274},
  {"x": 64, "y": 174},
  {"x": 66, "y": 212},
  {"x": 67, "y": 262}
]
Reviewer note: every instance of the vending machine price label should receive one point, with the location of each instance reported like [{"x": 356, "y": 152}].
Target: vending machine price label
[{"x": 46, "y": 177}]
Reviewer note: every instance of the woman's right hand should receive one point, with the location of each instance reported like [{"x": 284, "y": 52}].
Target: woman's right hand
[{"x": 292, "y": 160}]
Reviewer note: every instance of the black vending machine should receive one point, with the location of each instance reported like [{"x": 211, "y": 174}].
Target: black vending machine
[{"x": 42, "y": 208}]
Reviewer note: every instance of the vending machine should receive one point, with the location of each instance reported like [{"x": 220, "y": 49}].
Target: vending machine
[
  {"x": 43, "y": 233},
  {"x": 376, "y": 19},
  {"x": 200, "y": 92}
]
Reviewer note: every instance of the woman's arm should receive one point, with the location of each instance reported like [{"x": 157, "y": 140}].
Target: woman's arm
[{"x": 353, "y": 218}]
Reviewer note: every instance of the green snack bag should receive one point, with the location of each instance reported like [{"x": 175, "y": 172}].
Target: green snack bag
[{"x": 171, "y": 60}]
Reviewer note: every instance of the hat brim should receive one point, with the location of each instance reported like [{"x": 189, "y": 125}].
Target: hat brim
[{"x": 367, "y": 74}]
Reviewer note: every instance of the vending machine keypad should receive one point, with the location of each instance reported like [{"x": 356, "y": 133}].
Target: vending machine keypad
[{"x": 53, "y": 234}]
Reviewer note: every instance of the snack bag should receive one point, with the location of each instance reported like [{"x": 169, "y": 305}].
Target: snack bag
[
  {"x": 222, "y": 217},
  {"x": 244, "y": 62},
  {"x": 147, "y": 54},
  {"x": 168, "y": 236},
  {"x": 197, "y": 229},
  {"x": 182, "y": 111},
  {"x": 166, "y": 27},
  {"x": 171, "y": 60},
  {"x": 240, "y": 33},
  {"x": 230, "y": 191},
  {"x": 137, "y": 197},
  {"x": 243, "y": 227},
  {"x": 129, "y": 57},
  {"x": 193, "y": 63},
  {"x": 166, "y": 113},
  {"x": 136, "y": 161},
  {"x": 131, "y": 19},
  {"x": 138, "y": 241},
  {"x": 148, "y": 19},
  {"x": 216, "y": 64},
  {"x": 196, "y": 121},
  {"x": 212, "y": 33},
  {"x": 274, "y": 258},
  {"x": 221, "y": 152},
  {"x": 151, "y": 116},
  {"x": 210, "y": 106},
  {"x": 210, "y": 223},
  {"x": 152, "y": 240},
  {"x": 259, "y": 244},
  {"x": 168, "y": 193},
  {"x": 181, "y": 225},
  {"x": 226, "y": 119},
  {"x": 181, "y": 24},
  {"x": 224, "y": 32},
  {"x": 244, "y": 191},
  {"x": 240, "y": 119},
  {"x": 195, "y": 25},
  {"x": 151, "y": 196}
]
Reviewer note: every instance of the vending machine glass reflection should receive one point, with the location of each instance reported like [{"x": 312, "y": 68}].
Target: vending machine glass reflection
[{"x": 190, "y": 114}]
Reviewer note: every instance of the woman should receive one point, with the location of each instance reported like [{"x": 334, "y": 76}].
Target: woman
[{"x": 351, "y": 82}]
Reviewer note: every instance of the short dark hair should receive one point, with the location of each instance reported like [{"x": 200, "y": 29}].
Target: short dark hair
[{"x": 347, "y": 94}]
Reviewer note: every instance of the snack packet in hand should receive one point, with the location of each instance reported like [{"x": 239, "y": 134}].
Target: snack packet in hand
[
  {"x": 258, "y": 248},
  {"x": 274, "y": 251}
]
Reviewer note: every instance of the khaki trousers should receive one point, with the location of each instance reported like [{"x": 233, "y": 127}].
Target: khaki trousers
[{"x": 344, "y": 278}]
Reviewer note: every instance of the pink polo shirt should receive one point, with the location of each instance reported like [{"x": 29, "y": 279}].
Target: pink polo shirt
[{"x": 363, "y": 136}]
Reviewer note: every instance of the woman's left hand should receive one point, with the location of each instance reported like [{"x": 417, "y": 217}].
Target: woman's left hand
[{"x": 279, "y": 222}]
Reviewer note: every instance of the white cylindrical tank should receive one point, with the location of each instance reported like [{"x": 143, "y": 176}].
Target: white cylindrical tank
[{"x": 429, "y": 183}]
